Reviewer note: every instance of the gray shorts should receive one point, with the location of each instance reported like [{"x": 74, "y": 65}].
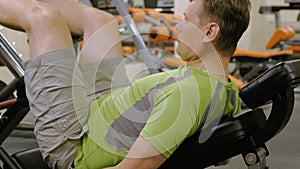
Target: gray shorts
[{"x": 59, "y": 92}]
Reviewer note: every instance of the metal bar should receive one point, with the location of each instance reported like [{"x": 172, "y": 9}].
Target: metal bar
[
  {"x": 10, "y": 58},
  {"x": 6, "y": 160},
  {"x": 7, "y": 91},
  {"x": 137, "y": 39}
]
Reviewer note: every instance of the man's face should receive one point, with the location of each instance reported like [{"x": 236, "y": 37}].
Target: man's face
[{"x": 190, "y": 36}]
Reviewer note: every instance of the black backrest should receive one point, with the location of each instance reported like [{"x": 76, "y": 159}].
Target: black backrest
[
  {"x": 265, "y": 87},
  {"x": 276, "y": 86}
]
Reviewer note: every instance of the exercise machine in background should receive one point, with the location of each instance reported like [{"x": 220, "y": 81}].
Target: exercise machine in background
[
  {"x": 283, "y": 45},
  {"x": 294, "y": 5}
]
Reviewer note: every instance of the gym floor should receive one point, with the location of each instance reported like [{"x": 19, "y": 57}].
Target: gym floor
[{"x": 284, "y": 148}]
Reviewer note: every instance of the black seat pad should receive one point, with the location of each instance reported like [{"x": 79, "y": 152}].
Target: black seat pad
[{"x": 30, "y": 159}]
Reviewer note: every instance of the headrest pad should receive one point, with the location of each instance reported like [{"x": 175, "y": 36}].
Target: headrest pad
[{"x": 269, "y": 84}]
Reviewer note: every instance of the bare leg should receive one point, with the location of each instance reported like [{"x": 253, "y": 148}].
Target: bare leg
[
  {"x": 85, "y": 20},
  {"x": 34, "y": 18},
  {"x": 54, "y": 85},
  {"x": 101, "y": 39}
]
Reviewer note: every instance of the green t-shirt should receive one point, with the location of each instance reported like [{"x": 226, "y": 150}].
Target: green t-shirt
[{"x": 164, "y": 109}]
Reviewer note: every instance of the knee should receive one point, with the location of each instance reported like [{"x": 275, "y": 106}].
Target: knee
[
  {"x": 98, "y": 19},
  {"x": 42, "y": 16},
  {"x": 99, "y": 15}
]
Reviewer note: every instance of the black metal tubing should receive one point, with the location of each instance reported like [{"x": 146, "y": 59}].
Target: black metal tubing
[
  {"x": 11, "y": 119},
  {"x": 282, "y": 109},
  {"x": 15, "y": 113},
  {"x": 274, "y": 9},
  {"x": 7, "y": 161},
  {"x": 7, "y": 91}
]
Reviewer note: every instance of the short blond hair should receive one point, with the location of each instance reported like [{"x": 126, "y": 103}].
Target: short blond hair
[{"x": 233, "y": 17}]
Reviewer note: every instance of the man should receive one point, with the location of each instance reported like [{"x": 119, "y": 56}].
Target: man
[{"x": 86, "y": 117}]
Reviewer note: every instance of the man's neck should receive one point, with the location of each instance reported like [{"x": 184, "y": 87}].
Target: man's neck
[{"x": 217, "y": 66}]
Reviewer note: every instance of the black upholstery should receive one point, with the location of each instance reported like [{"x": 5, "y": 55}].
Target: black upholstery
[
  {"x": 229, "y": 139},
  {"x": 279, "y": 78},
  {"x": 30, "y": 159}
]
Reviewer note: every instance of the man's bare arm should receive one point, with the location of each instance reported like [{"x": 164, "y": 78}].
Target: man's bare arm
[{"x": 142, "y": 155}]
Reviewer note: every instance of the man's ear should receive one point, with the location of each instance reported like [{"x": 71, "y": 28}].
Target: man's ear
[{"x": 211, "y": 32}]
